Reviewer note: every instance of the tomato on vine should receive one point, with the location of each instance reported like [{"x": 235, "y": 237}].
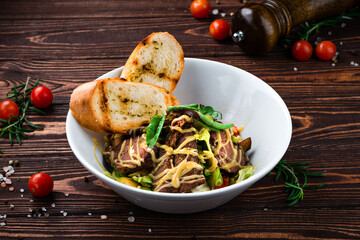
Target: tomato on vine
[
  {"x": 200, "y": 8},
  {"x": 41, "y": 184},
  {"x": 41, "y": 97},
  {"x": 8, "y": 109},
  {"x": 325, "y": 50},
  {"x": 302, "y": 50},
  {"x": 219, "y": 29}
]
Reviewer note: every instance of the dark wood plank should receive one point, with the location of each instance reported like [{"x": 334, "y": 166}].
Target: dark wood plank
[
  {"x": 65, "y": 9},
  {"x": 105, "y": 39}
]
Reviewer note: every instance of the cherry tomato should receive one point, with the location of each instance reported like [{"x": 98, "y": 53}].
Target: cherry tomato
[
  {"x": 41, "y": 184},
  {"x": 8, "y": 108},
  {"x": 200, "y": 8},
  {"x": 225, "y": 182},
  {"x": 41, "y": 97},
  {"x": 302, "y": 50},
  {"x": 325, "y": 50},
  {"x": 235, "y": 130},
  {"x": 219, "y": 29}
]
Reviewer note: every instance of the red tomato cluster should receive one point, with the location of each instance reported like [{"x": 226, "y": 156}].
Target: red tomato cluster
[
  {"x": 41, "y": 97},
  {"x": 219, "y": 29},
  {"x": 302, "y": 50}
]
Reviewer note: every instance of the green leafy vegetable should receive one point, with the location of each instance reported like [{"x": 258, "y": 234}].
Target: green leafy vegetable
[
  {"x": 200, "y": 117},
  {"x": 215, "y": 179},
  {"x": 207, "y": 110},
  {"x": 143, "y": 180},
  {"x": 193, "y": 107},
  {"x": 216, "y": 125},
  {"x": 292, "y": 173},
  {"x": 245, "y": 173},
  {"x": 154, "y": 129}
]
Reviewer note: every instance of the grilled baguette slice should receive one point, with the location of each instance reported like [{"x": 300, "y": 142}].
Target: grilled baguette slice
[
  {"x": 113, "y": 105},
  {"x": 158, "y": 59}
]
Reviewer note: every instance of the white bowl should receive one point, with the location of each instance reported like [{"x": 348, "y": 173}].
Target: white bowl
[{"x": 242, "y": 98}]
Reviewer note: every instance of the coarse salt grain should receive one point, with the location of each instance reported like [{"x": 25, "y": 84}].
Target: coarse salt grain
[
  {"x": 131, "y": 213},
  {"x": 29, "y": 215},
  {"x": 103, "y": 217},
  {"x": 61, "y": 211},
  {"x": 31, "y": 200},
  {"x": 53, "y": 205},
  {"x": 66, "y": 194},
  {"x": 329, "y": 33},
  {"x": 223, "y": 14},
  {"x": 352, "y": 63},
  {"x": 295, "y": 69},
  {"x": 356, "y": 64},
  {"x": 8, "y": 181},
  {"x": 149, "y": 230},
  {"x": 343, "y": 24},
  {"x": 341, "y": 43},
  {"x": 22, "y": 190},
  {"x": 46, "y": 215},
  {"x": 215, "y": 11},
  {"x": 89, "y": 213},
  {"x": 2, "y": 224},
  {"x": 22, "y": 195},
  {"x": 43, "y": 209},
  {"x": 65, "y": 214},
  {"x": 131, "y": 219},
  {"x": 12, "y": 206},
  {"x": 333, "y": 64}
]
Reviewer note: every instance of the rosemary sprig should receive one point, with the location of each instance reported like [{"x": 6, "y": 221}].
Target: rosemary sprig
[
  {"x": 309, "y": 28},
  {"x": 292, "y": 172},
  {"x": 14, "y": 127}
]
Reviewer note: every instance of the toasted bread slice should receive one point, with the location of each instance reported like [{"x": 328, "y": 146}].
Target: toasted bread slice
[
  {"x": 158, "y": 59},
  {"x": 113, "y": 105}
]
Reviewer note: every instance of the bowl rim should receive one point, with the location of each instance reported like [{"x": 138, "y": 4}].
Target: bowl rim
[{"x": 197, "y": 195}]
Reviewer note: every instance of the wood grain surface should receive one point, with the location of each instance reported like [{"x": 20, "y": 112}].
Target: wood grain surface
[{"x": 66, "y": 43}]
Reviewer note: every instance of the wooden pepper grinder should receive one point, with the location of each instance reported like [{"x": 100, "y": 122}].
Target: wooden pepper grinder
[{"x": 256, "y": 27}]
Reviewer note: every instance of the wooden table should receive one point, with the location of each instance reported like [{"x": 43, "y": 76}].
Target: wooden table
[{"x": 65, "y": 43}]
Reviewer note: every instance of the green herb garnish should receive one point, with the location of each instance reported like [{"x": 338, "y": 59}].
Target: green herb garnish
[
  {"x": 15, "y": 125},
  {"x": 309, "y": 28},
  {"x": 202, "y": 111},
  {"x": 207, "y": 110},
  {"x": 156, "y": 123},
  {"x": 154, "y": 129},
  {"x": 193, "y": 107},
  {"x": 291, "y": 173}
]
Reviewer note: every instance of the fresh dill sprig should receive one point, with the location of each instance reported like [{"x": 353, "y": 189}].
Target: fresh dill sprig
[
  {"x": 292, "y": 172},
  {"x": 14, "y": 127}
]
